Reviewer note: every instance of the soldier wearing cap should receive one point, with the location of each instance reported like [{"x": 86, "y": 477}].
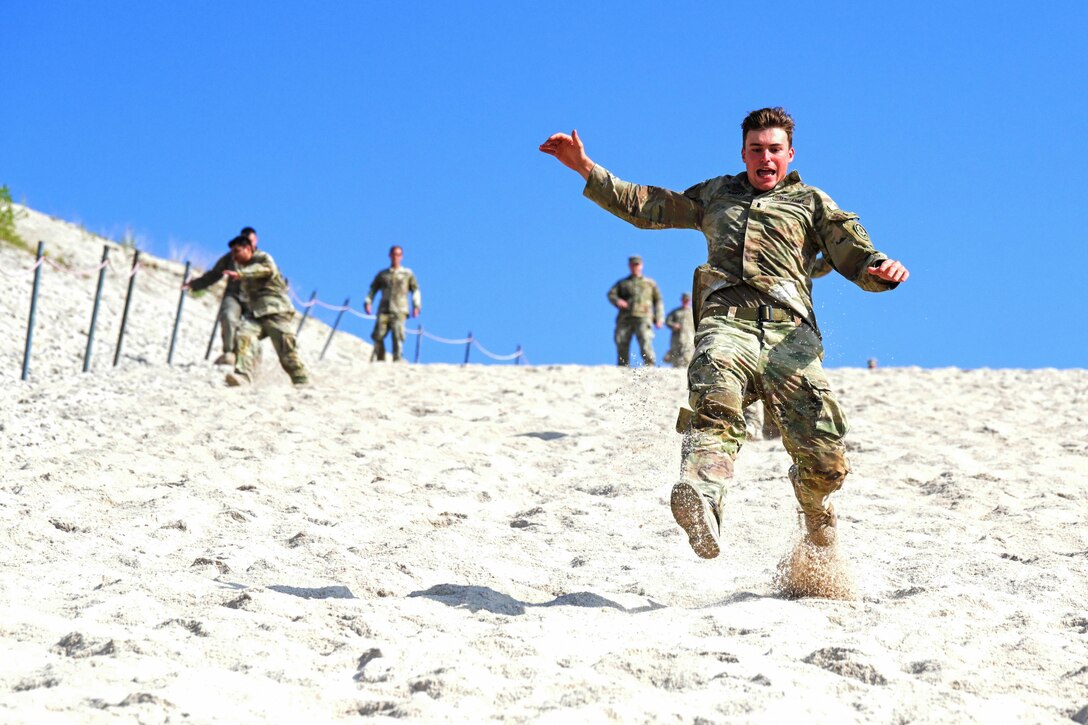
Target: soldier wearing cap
[
  {"x": 756, "y": 333},
  {"x": 638, "y": 300},
  {"x": 231, "y": 308},
  {"x": 268, "y": 314},
  {"x": 682, "y": 325},
  {"x": 397, "y": 284}
]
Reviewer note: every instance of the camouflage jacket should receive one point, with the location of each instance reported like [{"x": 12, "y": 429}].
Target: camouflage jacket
[
  {"x": 395, "y": 286},
  {"x": 682, "y": 324},
  {"x": 642, "y": 296},
  {"x": 213, "y": 275},
  {"x": 264, "y": 291},
  {"x": 767, "y": 241}
]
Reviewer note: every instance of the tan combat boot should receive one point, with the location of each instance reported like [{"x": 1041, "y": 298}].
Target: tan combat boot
[
  {"x": 699, "y": 514},
  {"x": 819, "y": 526},
  {"x": 226, "y": 358},
  {"x": 237, "y": 380},
  {"x": 699, "y": 517}
]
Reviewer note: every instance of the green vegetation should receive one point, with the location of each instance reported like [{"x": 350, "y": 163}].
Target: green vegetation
[
  {"x": 7, "y": 221},
  {"x": 128, "y": 239}
]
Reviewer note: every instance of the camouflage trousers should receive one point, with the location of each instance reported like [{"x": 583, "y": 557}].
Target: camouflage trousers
[
  {"x": 385, "y": 323},
  {"x": 642, "y": 330},
  {"x": 279, "y": 329},
  {"x": 230, "y": 317},
  {"x": 738, "y": 362}
]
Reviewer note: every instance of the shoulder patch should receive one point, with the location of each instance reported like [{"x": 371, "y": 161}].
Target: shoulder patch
[{"x": 860, "y": 231}]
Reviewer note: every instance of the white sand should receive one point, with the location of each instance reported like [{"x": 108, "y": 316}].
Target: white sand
[{"x": 448, "y": 544}]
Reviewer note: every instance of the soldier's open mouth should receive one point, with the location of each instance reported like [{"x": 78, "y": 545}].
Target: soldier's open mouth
[{"x": 766, "y": 172}]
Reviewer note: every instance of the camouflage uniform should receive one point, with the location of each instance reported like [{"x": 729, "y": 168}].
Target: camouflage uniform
[
  {"x": 269, "y": 314},
  {"x": 761, "y": 246},
  {"x": 682, "y": 344},
  {"x": 820, "y": 268},
  {"x": 758, "y": 426},
  {"x": 395, "y": 284},
  {"x": 231, "y": 309},
  {"x": 644, "y": 310}
]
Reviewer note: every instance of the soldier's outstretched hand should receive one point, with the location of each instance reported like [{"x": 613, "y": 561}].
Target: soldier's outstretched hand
[
  {"x": 570, "y": 151},
  {"x": 890, "y": 271}
]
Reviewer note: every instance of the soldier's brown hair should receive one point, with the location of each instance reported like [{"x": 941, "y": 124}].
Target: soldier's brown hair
[{"x": 767, "y": 118}]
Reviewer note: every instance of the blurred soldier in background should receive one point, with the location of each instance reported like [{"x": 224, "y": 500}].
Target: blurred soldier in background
[
  {"x": 640, "y": 310},
  {"x": 231, "y": 308},
  {"x": 268, "y": 314},
  {"x": 396, "y": 284},
  {"x": 682, "y": 344}
]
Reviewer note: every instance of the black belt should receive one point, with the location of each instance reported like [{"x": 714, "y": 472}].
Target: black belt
[{"x": 763, "y": 313}]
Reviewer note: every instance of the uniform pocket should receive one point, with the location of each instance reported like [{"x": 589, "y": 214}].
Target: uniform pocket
[
  {"x": 683, "y": 420},
  {"x": 830, "y": 419}
]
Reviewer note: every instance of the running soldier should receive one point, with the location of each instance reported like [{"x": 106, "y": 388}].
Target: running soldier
[
  {"x": 638, "y": 300},
  {"x": 268, "y": 314},
  {"x": 231, "y": 308},
  {"x": 395, "y": 285},
  {"x": 756, "y": 333}
]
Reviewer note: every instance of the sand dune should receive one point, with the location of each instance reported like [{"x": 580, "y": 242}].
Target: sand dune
[{"x": 441, "y": 543}]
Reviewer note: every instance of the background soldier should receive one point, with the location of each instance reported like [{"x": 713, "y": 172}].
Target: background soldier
[
  {"x": 682, "y": 344},
  {"x": 395, "y": 284},
  {"x": 268, "y": 314},
  {"x": 640, "y": 310},
  {"x": 756, "y": 334},
  {"x": 231, "y": 308}
]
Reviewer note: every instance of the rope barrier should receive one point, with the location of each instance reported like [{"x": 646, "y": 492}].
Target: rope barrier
[
  {"x": 83, "y": 270},
  {"x": 41, "y": 260},
  {"x": 74, "y": 270},
  {"x": 362, "y": 315},
  {"x": 299, "y": 301},
  {"x": 493, "y": 356},
  {"x": 29, "y": 270},
  {"x": 306, "y": 304},
  {"x": 334, "y": 308},
  {"x": 436, "y": 338}
]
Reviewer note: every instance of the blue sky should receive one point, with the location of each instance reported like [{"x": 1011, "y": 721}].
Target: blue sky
[{"x": 956, "y": 130}]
